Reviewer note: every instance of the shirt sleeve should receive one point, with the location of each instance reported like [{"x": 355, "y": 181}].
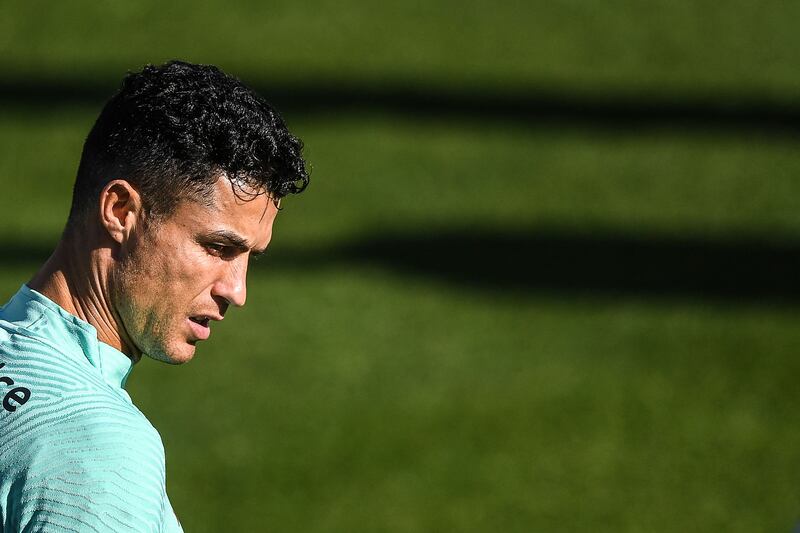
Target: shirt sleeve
[{"x": 94, "y": 474}]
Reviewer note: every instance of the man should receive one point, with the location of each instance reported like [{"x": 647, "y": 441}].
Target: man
[{"x": 178, "y": 186}]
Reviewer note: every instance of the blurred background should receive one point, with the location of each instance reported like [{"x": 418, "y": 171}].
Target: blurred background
[{"x": 544, "y": 277}]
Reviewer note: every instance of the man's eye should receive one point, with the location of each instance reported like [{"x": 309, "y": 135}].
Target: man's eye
[{"x": 218, "y": 249}]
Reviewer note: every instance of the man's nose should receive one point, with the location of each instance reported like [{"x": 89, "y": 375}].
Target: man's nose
[{"x": 232, "y": 285}]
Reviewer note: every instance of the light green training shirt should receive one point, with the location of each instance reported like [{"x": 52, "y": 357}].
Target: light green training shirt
[{"x": 75, "y": 453}]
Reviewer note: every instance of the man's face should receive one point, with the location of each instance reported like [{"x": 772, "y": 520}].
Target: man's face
[{"x": 183, "y": 272}]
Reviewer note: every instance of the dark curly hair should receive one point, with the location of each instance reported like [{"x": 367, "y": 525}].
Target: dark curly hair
[{"x": 172, "y": 131}]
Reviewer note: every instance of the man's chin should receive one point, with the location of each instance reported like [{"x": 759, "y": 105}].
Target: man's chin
[{"x": 176, "y": 355}]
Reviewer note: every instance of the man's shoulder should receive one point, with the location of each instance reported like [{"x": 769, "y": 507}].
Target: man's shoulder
[
  {"x": 35, "y": 358},
  {"x": 76, "y": 452},
  {"x": 54, "y": 428},
  {"x": 56, "y": 372},
  {"x": 25, "y": 340},
  {"x": 53, "y": 402}
]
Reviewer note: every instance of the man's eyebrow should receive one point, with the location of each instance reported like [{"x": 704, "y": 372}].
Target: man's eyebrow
[
  {"x": 237, "y": 241},
  {"x": 230, "y": 238}
]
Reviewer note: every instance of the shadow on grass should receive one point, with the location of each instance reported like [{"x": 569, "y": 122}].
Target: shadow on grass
[
  {"x": 555, "y": 261},
  {"x": 552, "y": 262},
  {"x": 532, "y": 107}
]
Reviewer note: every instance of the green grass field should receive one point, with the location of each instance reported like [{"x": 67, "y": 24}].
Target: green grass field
[{"x": 359, "y": 394}]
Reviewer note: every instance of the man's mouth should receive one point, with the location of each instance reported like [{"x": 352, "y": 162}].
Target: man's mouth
[{"x": 200, "y": 327}]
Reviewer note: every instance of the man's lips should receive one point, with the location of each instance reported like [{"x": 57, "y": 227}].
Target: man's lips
[{"x": 201, "y": 327}]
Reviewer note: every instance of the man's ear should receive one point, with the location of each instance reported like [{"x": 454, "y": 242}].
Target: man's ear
[{"x": 120, "y": 207}]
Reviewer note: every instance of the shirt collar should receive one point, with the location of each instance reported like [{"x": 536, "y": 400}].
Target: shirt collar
[{"x": 45, "y": 318}]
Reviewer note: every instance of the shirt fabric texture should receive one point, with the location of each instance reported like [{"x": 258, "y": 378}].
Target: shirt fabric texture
[{"x": 76, "y": 454}]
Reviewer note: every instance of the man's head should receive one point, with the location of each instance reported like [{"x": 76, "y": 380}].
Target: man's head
[
  {"x": 181, "y": 176},
  {"x": 172, "y": 130}
]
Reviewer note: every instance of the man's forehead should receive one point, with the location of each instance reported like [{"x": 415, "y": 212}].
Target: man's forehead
[
  {"x": 227, "y": 195},
  {"x": 227, "y": 205},
  {"x": 241, "y": 217}
]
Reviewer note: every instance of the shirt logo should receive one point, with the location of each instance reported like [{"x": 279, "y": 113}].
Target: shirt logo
[{"x": 17, "y": 395}]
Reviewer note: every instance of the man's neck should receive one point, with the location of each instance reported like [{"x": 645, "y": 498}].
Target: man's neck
[{"x": 76, "y": 278}]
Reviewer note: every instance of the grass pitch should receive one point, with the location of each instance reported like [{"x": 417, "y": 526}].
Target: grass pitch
[{"x": 355, "y": 393}]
